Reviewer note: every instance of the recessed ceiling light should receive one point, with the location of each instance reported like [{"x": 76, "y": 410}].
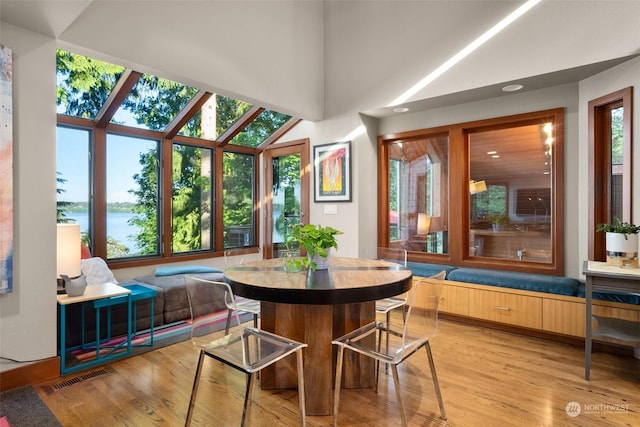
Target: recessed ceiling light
[
  {"x": 495, "y": 156},
  {"x": 512, "y": 88},
  {"x": 400, "y": 110},
  {"x": 492, "y": 152}
]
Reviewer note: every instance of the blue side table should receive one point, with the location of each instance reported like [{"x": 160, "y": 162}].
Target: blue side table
[
  {"x": 93, "y": 293},
  {"x": 138, "y": 293}
]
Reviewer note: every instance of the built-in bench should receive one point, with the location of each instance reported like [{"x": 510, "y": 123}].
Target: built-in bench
[
  {"x": 559, "y": 285},
  {"x": 551, "y": 304}
]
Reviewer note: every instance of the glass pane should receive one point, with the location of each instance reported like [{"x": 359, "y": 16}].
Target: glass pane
[
  {"x": 238, "y": 199},
  {"x": 132, "y": 197},
  {"x": 286, "y": 201},
  {"x": 260, "y": 129},
  {"x": 83, "y": 84},
  {"x": 153, "y": 103},
  {"x": 510, "y": 193},
  {"x": 617, "y": 164},
  {"x": 418, "y": 194},
  {"x": 215, "y": 117},
  {"x": 192, "y": 199},
  {"x": 72, "y": 164}
]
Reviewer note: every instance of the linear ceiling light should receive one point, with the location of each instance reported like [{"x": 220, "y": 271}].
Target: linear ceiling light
[
  {"x": 504, "y": 23},
  {"x": 465, "y": 52}
]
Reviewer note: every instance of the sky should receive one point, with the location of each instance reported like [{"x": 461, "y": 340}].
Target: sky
[{"x": 122, "y": 163}]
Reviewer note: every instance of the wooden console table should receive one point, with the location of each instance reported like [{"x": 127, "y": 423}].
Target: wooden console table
[{"x": 604, "y": 277}]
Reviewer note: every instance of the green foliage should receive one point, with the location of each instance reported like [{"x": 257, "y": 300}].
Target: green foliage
[
  {"x": 237, "y": 190},
  {"x": 84, "y": 84},
  {"x": 619, "y": 227},
  {"x": 315, "y": 239},
  {"x": 62, "y": 208},
  {"x": 146, "y": 210}
]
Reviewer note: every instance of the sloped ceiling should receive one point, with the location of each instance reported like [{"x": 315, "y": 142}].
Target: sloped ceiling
[{"x": 319, "y": 59}]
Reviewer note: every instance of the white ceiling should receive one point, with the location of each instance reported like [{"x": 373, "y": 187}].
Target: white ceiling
[{"x": 316, "y": 59}]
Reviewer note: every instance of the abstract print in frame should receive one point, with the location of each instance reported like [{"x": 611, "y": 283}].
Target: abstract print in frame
[
  {"x": 332, "y": 172},
  {"x": 6, "y": 171}
]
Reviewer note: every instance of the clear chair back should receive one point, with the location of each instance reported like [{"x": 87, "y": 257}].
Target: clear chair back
[
  {"x": 397, "y": 255},
  {"x": 205, "y": 315},
  {"x": 421, "y": 321}
]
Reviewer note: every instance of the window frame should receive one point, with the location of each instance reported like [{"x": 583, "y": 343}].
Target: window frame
[
  {"x": 459, "y": 207},
  {"x": 599, "y": 164}
]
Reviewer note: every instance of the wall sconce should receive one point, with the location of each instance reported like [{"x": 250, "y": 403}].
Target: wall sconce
[
  {"x": 424, "y": 222},
  {"x": 477, "y": 186},
  {"x": 68, "y": 259}
]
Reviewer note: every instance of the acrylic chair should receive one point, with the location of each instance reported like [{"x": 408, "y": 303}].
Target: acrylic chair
[
  {"x": 407, "y": 338},
  {"x": 386, "y": 305},
  {"x": 246, "y": 349},
  {"x": 234, "y": 304}
]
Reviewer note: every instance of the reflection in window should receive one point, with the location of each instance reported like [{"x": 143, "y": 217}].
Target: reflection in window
[
  {"x": 132, "y": 197},
  {"x": 238, "y": 194},
  {"x": 511, "y": 216},
  {"x": 192, "y": 199},
  {"x": 616, "y": 208},
  {"x": 418, "y": 188}
]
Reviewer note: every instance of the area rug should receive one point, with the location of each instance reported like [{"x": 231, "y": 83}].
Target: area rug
[{"x": 22, "y": 407}]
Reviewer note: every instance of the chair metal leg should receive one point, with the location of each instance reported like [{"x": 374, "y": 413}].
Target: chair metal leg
[
  {"x": 386, "y": 365},
  {"x": 396, "y": 384},
  {"x": 336, "y": 391},
  {"x": 303, "y": 408},
  {"x": 436, "y": 385},
  {"x": 247, "y": 397},
  {"x": 194, "y": 390}
]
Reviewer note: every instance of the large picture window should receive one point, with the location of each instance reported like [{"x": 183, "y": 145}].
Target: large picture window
[
  {"x": 154, "y": 169},
  {"x": 481, "y": 194}
]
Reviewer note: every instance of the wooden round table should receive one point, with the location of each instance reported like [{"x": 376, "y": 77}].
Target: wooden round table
[{"x": 314, "y": 308}]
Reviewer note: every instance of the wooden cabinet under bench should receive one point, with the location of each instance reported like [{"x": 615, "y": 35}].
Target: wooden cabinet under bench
[{"x": 552, "y": 313}]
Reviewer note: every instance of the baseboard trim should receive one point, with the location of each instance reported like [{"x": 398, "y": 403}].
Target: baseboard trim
[{"x": 30, "y": 374}]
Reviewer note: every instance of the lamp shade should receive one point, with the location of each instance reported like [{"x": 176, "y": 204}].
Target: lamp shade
[
  {"x": 477, "y": 186},
  {"x": 68, "y": 250},
  {"x": 424, "y": 222}
]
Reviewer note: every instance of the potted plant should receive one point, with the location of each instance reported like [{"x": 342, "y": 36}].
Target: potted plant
[
  {"x": 621, "y": 242},
  {"x": 499, "y": 222},
  {"x": 317, "y": 240}
]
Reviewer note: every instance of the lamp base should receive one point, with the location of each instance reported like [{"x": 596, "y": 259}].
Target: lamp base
[{"x": 61, "y": 289}]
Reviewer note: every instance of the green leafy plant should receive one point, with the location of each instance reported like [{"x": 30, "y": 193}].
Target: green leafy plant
[
  {"x": 501, "y": 219},
  {"x": 619, "y": 227},
  {"x": 315, "y": 239}
]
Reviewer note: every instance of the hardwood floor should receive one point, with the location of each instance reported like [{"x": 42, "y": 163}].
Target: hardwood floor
[{"x": 487, "y": 377}]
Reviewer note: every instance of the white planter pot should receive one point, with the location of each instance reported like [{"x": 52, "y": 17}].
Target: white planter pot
[{"x": 621, "y": 250}]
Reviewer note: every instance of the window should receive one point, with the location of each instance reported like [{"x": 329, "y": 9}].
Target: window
[
  {"x": 417, "y": 188},
  {"x": 153, "y": 168},
  {"x": 476, "y": 194},
  {"x": 609, "y": 165}
]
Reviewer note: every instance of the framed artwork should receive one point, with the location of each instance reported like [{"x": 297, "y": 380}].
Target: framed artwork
[
  {"x": 6, "y": 171},
  {"x": 332, "y": 172}
]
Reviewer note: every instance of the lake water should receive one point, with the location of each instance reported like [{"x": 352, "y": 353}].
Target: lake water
[{"x": 117, "y": 227}]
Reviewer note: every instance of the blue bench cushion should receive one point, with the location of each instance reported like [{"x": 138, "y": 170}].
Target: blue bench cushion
[
  {"x": 611, "y": 296},
  {"x": 514, "y": 280},
  {"x": 426, "y": 270}
]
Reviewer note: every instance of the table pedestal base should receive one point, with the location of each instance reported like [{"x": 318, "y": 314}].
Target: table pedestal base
[{"x": 317, "y": 325}]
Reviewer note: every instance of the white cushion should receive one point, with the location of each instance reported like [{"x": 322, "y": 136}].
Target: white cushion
[{"x": 97, "y": 271}]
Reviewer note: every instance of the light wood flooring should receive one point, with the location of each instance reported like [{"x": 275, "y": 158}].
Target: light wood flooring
[{"x": 487, "y": 377}]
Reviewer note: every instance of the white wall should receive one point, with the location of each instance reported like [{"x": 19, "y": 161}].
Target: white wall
[{"x": 28, "y": 315}]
